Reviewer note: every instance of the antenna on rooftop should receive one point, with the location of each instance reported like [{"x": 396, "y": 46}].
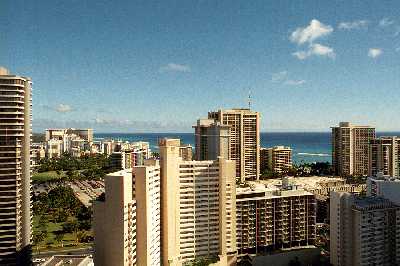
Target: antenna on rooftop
[{"x": 249, "y": 99}]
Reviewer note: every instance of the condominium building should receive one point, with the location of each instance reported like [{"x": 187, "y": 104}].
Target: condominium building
[
  {"x": 114, "y": 222},
  {"x": 277, "y": 159},
  {"x": 350, "y": 145},
  {"x": 385, "y": 187},
  {"x": 15, "y": 186},
  {"x": 61, "y": 133},
  {"x": 244, "y": 140},
  {"x": 212, "y": 140},
  {"x": 269, "y": 219},
  {"x": 147, "y": 193},
  {"x": 384, "y": 156},
  {"x": 198, "y": 207},
  {"x": 127, "y": 222},
  {"x": 363, "y": 231}
]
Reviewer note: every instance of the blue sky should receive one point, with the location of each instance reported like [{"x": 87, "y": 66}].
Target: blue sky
[{"x": 144, "y": 66}]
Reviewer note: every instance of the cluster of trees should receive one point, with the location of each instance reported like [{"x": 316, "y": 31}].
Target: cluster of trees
[
  {"x": 61, "y": 206},
  {"x": 85, "y": 167},
  {"x": 305, "y": 169}
]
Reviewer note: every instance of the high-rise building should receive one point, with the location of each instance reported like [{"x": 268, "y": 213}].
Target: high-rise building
[
  {"x": 15, "y": 186},
  {"x": 269, "y": 219},
  {"x": 198, "y": 207},
  {"x": 350, "y": 144},
  {"x": 212, "y": 140},
  {"x": 127, "y": 221},
  {"x": 186, "y": 152},
  {"x": 384, "y": 156},
  {"x": 244, "y": 140},
  {"x": 147, "y": 194},
  {"x": 277, "y": 159},
  {"x": 114, "y": 222},
  {"x": 363, "y": 231},
  {"x": 385, "y": 187}
]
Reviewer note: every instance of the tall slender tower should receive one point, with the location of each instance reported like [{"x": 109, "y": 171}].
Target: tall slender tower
[
  {"x": 244, "y": 140},
  {"x": 15, "y": 187}
]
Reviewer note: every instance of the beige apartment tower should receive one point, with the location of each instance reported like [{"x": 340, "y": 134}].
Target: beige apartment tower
[
  {"x": 244, "y": 140},
  {"x": 277, "y": 159},
  {"x": 363, "y": 231},
  {"x": 384, "y": 156},
  {"x": 15, "y": 186},
  {"x": 127, "y": 221},
  {"x": 350, "y": 145},
  {"x": 198, "y": 208},
  {"x": 114, "y": 222}
]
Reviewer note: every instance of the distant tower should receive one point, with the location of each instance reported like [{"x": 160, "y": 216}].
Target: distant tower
[{"x": 15, "y": 186}]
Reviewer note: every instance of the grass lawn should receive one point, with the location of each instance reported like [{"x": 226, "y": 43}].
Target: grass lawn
[
  {"x": 46, "y": 176},
  {"x": 69, "y": 240}
]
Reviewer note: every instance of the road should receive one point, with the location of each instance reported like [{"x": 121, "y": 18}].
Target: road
[{"x": 76, "y": 251}]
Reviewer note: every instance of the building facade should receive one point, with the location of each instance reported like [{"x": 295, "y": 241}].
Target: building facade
[
  {"x": 350, "y": 146},
  {"x": 363, "y": 231},
  {"x": 147, "y": 194},
  {"x": 277, "y": 159},
  {"x": 386, "y": 187},
  {"x": 15, "y": 186},
  {"x": 115, "y": 222},
  {"x": 244, "y": 140},
  {"x": 270, "y": 219},
  {"x": 212, "y": 140},
  {"x": 198, "y": 207},
  {"x": 384, "y": 156}
]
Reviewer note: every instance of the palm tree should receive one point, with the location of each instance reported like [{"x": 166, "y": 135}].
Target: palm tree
[
  {"x": 38, "y": 238},
  {"x": 59, "y": 238}
]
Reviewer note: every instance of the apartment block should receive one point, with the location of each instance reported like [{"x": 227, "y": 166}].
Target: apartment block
[
  {"x": 15, "y": 182},
  {"x": 244, "y": 140},
  {"x": 350, "y": 148},
  {"x": 114, "y": 222},
  {"x": 270, "y": 219},
  {"x": 61, "y": 133},
  {"x": 127, "y": 221},
  {"x": 363, "y": 231},
  {"x": 212, "y": 140},
  {"x": 385, "y": 187},
  {"x": 384, "y": 156},
  {"x": 147, "y": 193},
  {"x": 277, "y": 159},
  {"x": 198, "y": 207}
]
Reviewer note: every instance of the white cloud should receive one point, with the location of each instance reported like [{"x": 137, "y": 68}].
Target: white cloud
[
  {"x": 295, "y": 82},
  {"x": 386, "y": 22},
  {"x": 350, "y": 25},
  {"x": 374, "y": 52},
  {"x": 172, "y": 67},
  {"x": 279, "y": 76},
  {"x": 310, "y": 33},
  {"x": 319, "y": 49},
  {"x": 282, "y": 78},
  {"x": 315, "y": 49},
  {"x": 63, "y": 108}
]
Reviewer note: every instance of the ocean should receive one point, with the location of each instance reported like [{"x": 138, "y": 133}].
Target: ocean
[{"x": 307, "y": 147}]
